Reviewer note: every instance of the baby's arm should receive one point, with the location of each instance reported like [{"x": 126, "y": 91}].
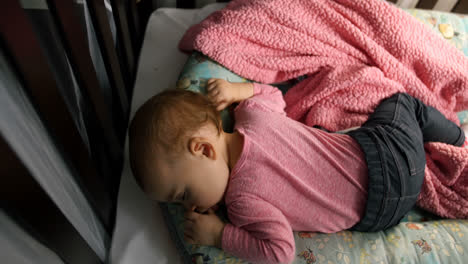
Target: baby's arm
[
  {"x": 259, "y": 232},
  {"x": 223, "y": 93}
]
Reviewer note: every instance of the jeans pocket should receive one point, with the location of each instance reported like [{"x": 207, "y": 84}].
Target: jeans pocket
[
  {"x": 408, "y": 145},
  {"x": 412, "y": 160},
  {"x": 411, "y": 164}
]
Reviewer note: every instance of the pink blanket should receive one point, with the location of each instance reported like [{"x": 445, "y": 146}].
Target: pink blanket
[{"x": 355, "y": 52}]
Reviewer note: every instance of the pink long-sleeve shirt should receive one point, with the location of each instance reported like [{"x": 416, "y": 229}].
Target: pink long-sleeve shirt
[{"x": 289, "y": 177}]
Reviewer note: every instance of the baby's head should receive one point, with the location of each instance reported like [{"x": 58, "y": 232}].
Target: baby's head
[{"x": 177, "y": 150}]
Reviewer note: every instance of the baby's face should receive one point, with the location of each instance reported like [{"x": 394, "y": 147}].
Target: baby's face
[{"x": 197, "y": 183}]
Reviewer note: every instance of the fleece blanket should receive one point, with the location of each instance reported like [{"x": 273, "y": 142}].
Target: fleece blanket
[{"x": 355, "y": 53}]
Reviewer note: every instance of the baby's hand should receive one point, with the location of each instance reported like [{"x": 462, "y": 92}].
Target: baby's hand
[
  {"x": 203, "y": 229},
  {"x": 221, "y": 92}
]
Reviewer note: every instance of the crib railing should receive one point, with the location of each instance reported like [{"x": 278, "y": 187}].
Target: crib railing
[
  {"x": 456, "y": 6},
  {"x": 63, "y": 129}
]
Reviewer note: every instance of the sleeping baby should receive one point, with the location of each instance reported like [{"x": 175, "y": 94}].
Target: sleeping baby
[{"x": 275, "y": 174}]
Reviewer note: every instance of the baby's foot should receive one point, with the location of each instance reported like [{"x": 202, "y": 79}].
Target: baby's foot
[{"x": 464, "y": 127}]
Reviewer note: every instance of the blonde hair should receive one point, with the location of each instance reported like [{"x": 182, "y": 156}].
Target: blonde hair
[{"x": 167, "y": 120}]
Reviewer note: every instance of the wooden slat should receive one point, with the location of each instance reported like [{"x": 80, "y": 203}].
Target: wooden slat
[
  {"x": 99, "y": 18},
  {"x": 134, "y": 25},
  {"x": 144, "y": 10},
  {"x": 426, "y": 4},
  {"x": 407, "y": 3},
  {"x": 185, "y": 4},
  {"x": 445, "y": 5},
  {"x": 461, "y": 7},
  {"x": 73, "y": 39},
  {"x": 19, "y": 40},
  {"x": 125, "y": 43}
]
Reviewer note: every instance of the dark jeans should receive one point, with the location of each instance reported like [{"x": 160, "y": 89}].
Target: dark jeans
[{"x": 392, "y": 141}]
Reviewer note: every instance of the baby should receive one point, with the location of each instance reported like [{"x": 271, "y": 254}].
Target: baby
[{"x": 275, "y": 174}]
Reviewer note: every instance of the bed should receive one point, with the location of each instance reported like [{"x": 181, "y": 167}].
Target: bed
[
  {"x": 82, "y": 182},
  {"x": 137, "y": 237}
]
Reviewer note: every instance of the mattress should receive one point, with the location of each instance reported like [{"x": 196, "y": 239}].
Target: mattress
[{"x": 140, "y": 234}]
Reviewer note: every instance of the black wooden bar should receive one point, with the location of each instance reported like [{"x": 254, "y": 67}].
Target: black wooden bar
[
  {"x": 144, "y": 10},
  {"x": 124, "y": 41},
  {"x": 426, "y": 4},
  {"x": 185, "y": 4},
  {"x": 26, "y": 56},
  {"x": 74, "y": 41},
  {"x": 98, "y": 14},
  {"x": 134, "y": 26},
  {"x": 461, "y": 7}
]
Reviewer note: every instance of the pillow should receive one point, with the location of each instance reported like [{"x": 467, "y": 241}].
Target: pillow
[
  {"x": 196, "y": 72},
  {"x": 419, "y": 237},
  {"x": 463, "y": 116},
  {"x": 199, "y": 68}
]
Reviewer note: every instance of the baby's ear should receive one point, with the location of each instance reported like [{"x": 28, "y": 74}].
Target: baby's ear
[{"x": 201, "y": 147}]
